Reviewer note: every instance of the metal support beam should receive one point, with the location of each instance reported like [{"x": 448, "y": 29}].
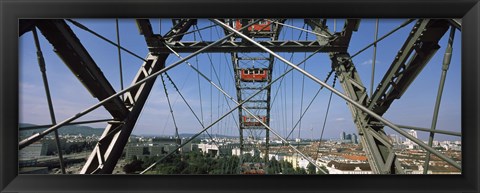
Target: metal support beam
[
  {"x": 334, "y": 39},
  {"x": 429, "y": 130},
  {"x": 43, "y": 69},
  {"x": 457, "y": 23},
  {"x": 75, "y": 56},
  {"x": 374, "y": 60},
  {"x": 423, "y": 39},
  {"x": 420, "y": 46},
  {"x": 446, "y": 63},
  {"x": 25, "y": 25},
  {"x": 375, "y": 144},
  {"x": 73, "y": 123},
  {"x": 115, "y": 137},
  {"x": 239, "y": 46}
]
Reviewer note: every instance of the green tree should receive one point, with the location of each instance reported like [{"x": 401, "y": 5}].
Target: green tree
[
  {"x": 274, "y": 166},
  {"x": 132, "y": 167},
  {"x": 247, "y": 157},
  {"x": 311, "y": 169},
  {"x": 324, "y": 169},
  {"x": 300, "y": 170}
]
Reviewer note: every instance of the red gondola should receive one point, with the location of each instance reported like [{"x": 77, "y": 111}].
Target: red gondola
[
  {"x": 254, "y": 74},
  {"x": 263, "y": 25},
  {"x": 251, "y": 121}
]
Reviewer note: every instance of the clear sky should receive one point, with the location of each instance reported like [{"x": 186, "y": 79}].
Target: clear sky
[{"x": 415, "y": 108}]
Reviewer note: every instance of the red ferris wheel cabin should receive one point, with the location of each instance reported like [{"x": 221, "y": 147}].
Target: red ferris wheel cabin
[
  {"x": 263, "y": 25},
  {"x": 254, "y": 74},
  {"x": 251, "y": 121}
]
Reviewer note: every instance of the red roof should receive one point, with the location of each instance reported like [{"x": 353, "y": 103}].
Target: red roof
[{"x": 355, "y": 157}]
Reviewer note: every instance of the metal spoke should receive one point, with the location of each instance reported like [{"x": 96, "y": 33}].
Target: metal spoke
[
  {"x": 119, "y": 55},
  {"x": 72, "y": 123},
  {"x": 383, "y": 37},
  {"x": 446, "y": 63},
  {"x": 301, "y": 29},
  {"x": 41, "y": 63},
  {"x": 79, "y": 25}
]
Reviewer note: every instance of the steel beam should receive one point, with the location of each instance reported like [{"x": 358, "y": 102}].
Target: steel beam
[
  {"x": 423, "y": 40},
  {"x": 25, "y": 25},
  {"x": 74, "y": 123},
  {"x": 420, "y": 46},
  {"x": 239, "y": 46},
  {"x": 375, "y": 144},
  {"x": 334, "y": 39},
  {"x": 446, "y": 63},
  {"x": 452, "y": 133},
  {"x": 75, "y": 56},
  {"x": 113, "y": 140},
  {"x": 457, "y": 23},
  {"x": 43, "y": 70}
]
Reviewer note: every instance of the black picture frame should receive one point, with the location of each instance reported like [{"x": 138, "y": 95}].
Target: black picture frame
[{"x": 11, "y": 11}]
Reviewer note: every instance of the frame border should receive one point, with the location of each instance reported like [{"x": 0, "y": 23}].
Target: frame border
[{"x": 11, "y": 11}]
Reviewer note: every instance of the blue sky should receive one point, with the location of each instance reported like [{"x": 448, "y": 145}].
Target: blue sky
[{"x": 415, "y": 108}]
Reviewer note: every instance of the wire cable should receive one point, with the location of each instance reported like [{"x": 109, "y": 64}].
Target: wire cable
[
  {"x": 326, "y": 116},
  {"x": 177, "y": 137},
  {"x": 79, "y": 25}
]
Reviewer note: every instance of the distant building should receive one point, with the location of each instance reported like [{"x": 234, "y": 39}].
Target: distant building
[
  {"x": 165, "y": 141},
  {"x": 412, "y": 133},
  {"x": 443, "y": 170},
  {"x": 356, "y": 158},
  {"x": 33, "y": 151},
  {"x": 394, "y": 139},
  {"x": 134, "y": 151},
  {"x": 153, "y": 147},
  {"x": 409, "y": 143},
  {"x": 412, "y": 169},
  {"x": 348, "y": 137},
  {"x": 211, "y": 149},
  {"x": 296, "y": 160},
  {"x": 354, "y": 138},
  {"x": 156, "y": 150},
  {"x": 236, "y": 151},
  {"x": 335, "y": 167},
  {"x": 277, "y": 156},
  {"x": 292, "y": 158},
  {"x": 302, "y": 162},
  {"x": 343, "y": 135}
]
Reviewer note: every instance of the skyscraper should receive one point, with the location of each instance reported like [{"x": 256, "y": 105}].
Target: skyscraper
[
  {"x": 354, "y": 138},
  {"x": 348, "y": 137},
  {"x": 412, "y": 133},
  {"x": 343, "y": 135}
]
